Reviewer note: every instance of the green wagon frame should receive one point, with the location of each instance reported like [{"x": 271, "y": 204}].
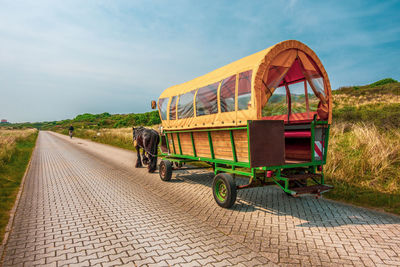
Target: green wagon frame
[{"x": 224, "y": 186}]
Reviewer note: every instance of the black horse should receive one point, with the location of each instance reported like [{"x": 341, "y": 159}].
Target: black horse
[{"x": 148, "y": 140}]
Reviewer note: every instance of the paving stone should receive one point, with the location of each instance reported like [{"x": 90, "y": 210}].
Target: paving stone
[{"x": 85, "y": 204}]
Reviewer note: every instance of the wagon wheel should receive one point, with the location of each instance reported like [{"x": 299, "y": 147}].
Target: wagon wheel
[
  {"x": 224, "y": 190},
  {"x": 165, "y": 170}
]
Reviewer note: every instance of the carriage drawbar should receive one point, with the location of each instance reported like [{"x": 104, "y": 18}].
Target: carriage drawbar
[{"x": 265, "y": 117}]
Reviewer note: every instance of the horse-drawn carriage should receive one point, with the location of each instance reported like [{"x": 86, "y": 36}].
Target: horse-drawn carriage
[{"x": 265, "y": 117}]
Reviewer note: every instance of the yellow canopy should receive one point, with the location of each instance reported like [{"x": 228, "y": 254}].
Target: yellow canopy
[{"x": 282, "y": 55}]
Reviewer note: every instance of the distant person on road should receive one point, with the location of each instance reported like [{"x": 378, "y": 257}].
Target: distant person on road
[{"x": 71, "y": 131}]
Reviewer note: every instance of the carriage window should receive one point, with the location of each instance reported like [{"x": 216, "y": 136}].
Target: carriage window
[
  {"x": 162, "y": 106},
  {"x": 206, "y": 100},
  {"x": 313, "y": 100},
  {"x": 277, "y": 103},
  {"x": 244, "y": 90},
  {"x": 298, "y": 97},
  {"x": 185, "y": 105},
  {"x": 172, "y": 108},
  {"x": 227, "y": 94},
  {"x": 303, "y": 100}
]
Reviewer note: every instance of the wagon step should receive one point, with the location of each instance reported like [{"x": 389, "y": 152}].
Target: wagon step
[
  {"x": 313, "y": 189},
  {"x": 294, "y": 177}
]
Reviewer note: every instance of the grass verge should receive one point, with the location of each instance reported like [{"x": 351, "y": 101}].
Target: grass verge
[
  {"x": 363, "y": 196},
  {"x": 11, "y": 175}
]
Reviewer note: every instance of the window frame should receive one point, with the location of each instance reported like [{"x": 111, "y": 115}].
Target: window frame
[
  {"x": 250, "y": 92},
  {"x": 176, "y": 108},
  {"x": 234, "y": 94}
]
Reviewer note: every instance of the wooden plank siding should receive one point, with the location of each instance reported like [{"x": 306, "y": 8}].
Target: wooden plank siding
[
  {"x": 186, "y": 144},
  {"x": 201, "y": 144},
  {"x": 241, "y": 145},
  {"x": 221, "y": 144}
]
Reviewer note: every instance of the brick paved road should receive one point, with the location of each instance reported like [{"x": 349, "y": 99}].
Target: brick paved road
[{"x": 84, "y": 204}]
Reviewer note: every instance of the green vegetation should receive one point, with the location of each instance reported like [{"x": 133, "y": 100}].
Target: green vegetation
[
  {"x": 12, "y": 168},
  {"x": 121, "y": 137},
  {"x": 96, "y": 121},
  {"x": 364, "y": 165},
  {"x": 385, "y": 116},
  {"x": 382, "y": 87},
  {"x": 364, "y": 196},
  {"x": 364, "y": 147},
  {"x": 104, "y": 128},
  {"x": 383, "y": 82}
]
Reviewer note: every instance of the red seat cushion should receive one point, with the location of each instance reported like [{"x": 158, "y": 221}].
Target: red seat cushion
[{"x": 298, "y": 134}]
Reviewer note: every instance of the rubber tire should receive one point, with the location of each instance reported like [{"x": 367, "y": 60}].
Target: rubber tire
[
  {"x": 166, "y": 174},
  {"x": 231, "y": 190}
]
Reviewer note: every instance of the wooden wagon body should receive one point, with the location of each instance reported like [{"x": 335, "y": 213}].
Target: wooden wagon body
[{"x": 265, "y": 117}]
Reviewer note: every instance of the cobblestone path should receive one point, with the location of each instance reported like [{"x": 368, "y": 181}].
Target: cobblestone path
[{"x": 84, "y": 204}]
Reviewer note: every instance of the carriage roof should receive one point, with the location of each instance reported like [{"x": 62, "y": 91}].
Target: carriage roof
[{"x": 265, "y": 69}]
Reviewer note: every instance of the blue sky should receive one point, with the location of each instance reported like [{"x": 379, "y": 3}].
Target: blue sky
[{"x": 63, "y": 58}]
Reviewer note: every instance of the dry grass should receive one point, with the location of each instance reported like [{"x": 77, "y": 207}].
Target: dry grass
[
  {"x": 361, "y": 155},
  {"x": 345, "y": 100},
  {"x": 121, "y": 137},
  {"x": 8, "y": 140}
]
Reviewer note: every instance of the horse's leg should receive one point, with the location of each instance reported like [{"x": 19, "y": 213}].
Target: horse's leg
[
  {"x": 147, "y": 146},
  {"x": 153, "y": 146},
  {"x": 153, "y": 164},
  {"x": 145, "y": 159},
  {"x": 138, "y": 160}
]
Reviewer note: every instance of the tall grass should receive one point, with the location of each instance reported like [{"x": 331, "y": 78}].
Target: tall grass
[
  {"x": 15, "y": 150},
  {"x": 364, "y": 165},
  {"x": 8, "y": 141}
]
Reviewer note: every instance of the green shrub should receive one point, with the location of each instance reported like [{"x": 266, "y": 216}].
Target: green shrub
[
  {"x": 384, "y": 116},
  {"x": 383, "y": 82}
]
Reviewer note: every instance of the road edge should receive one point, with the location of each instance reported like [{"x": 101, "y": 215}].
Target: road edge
[{"x": 15, "y": 206}]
